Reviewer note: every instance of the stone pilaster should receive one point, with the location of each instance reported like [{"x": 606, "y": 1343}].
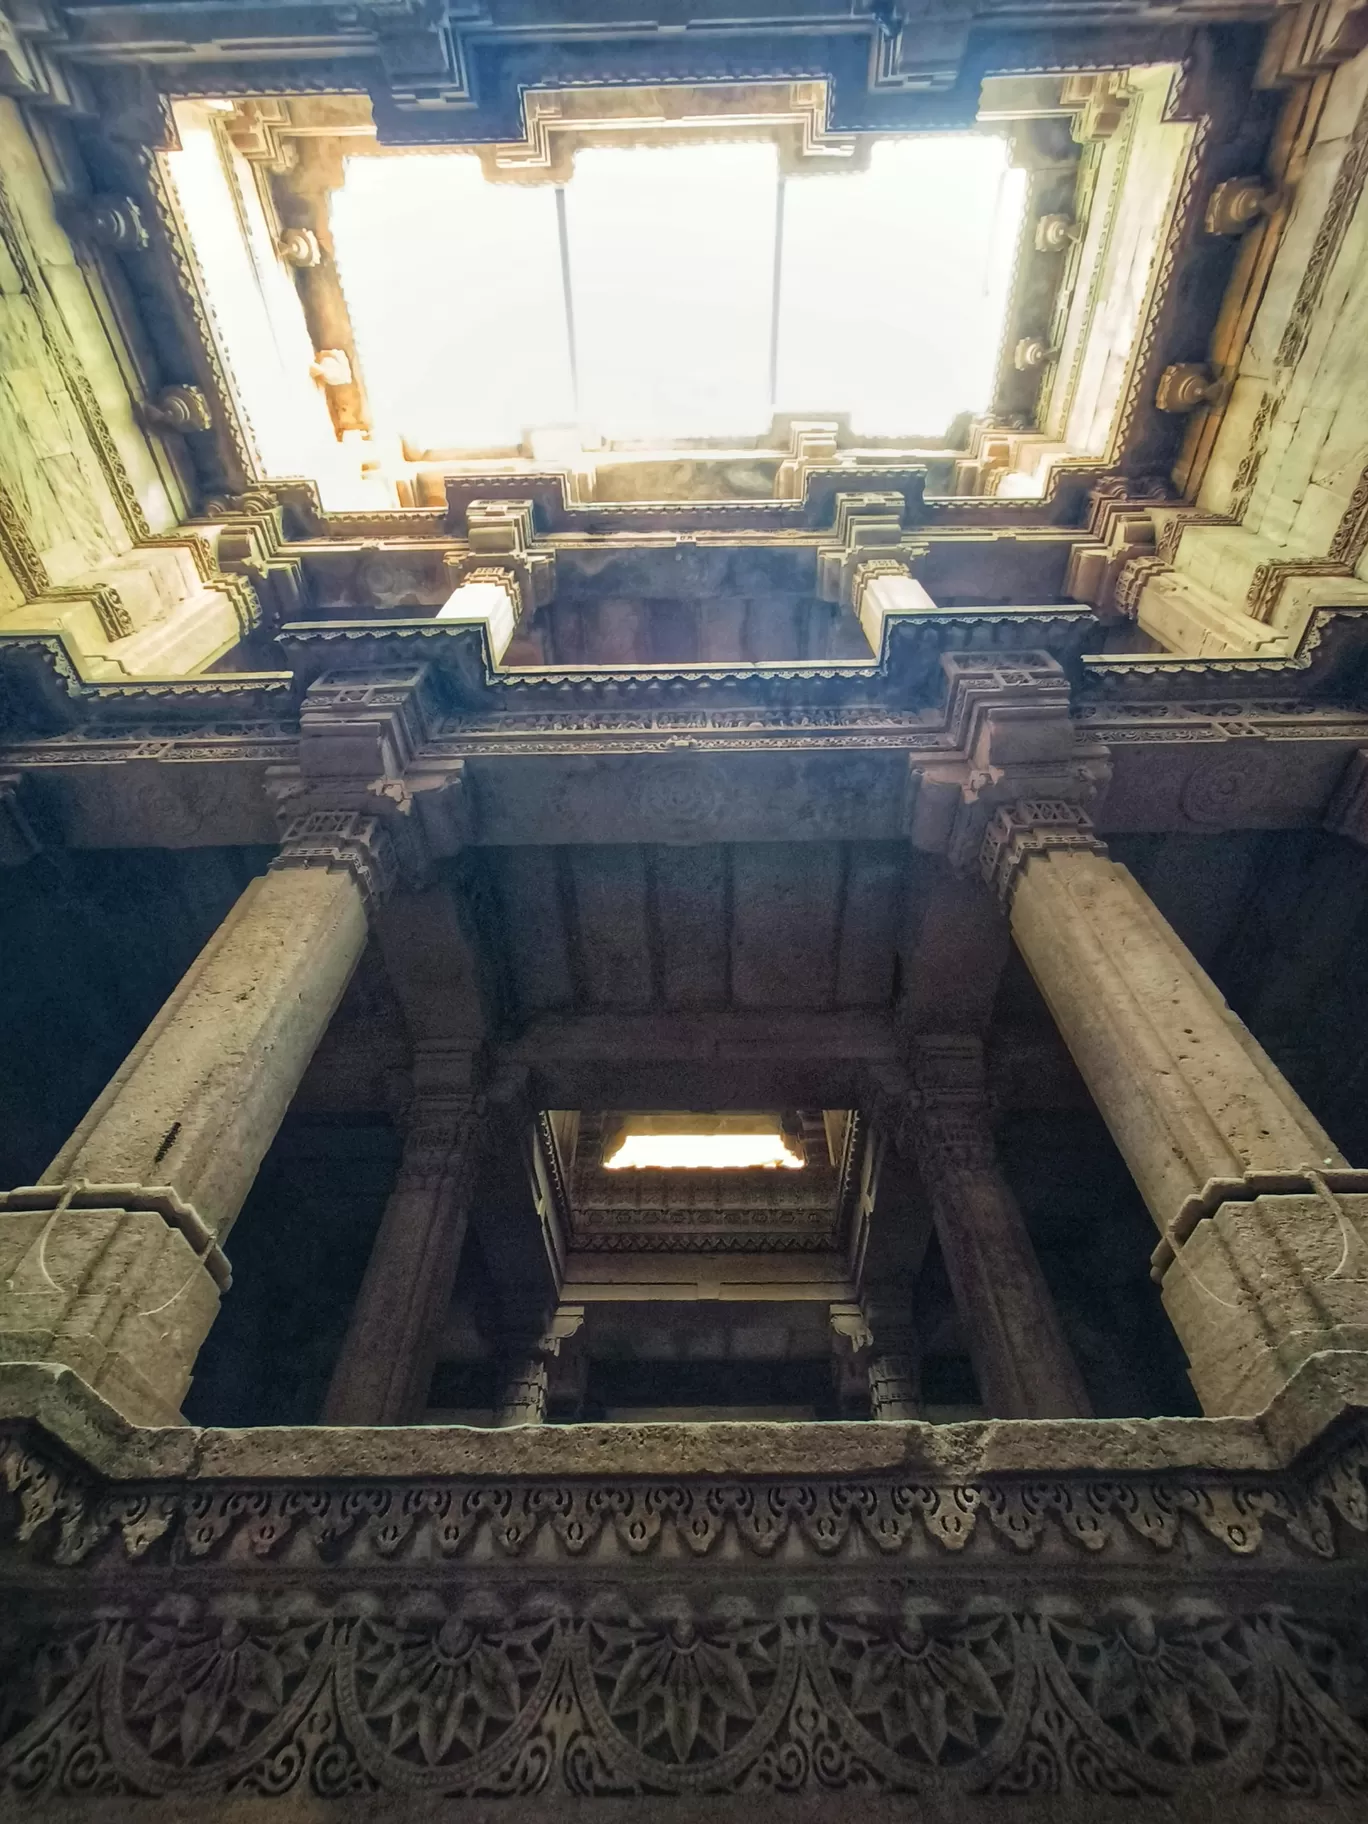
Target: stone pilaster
[
  {"x": 525, "y": 1369},
  {"x": 385, "y": 1367},
  {"x": 1024, "y": 1366},
  {"x": 1261, "y": 1256},
  {"x": 522, "y": 1390},
  {"x": 893, "y": 1364},
  {"x": 19, "y": 837},
  {"x": 113, "y": 1263}
]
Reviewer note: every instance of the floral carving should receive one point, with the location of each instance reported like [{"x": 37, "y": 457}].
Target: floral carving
[
  {"x": 197, "y": 1692},
  {"x": 1178, "y": 1691},
  {"x": 442, "y": 1694},
  {"x": 933, "y": 1693},
  {"x": 681, "y": 1692},
  {"x": 879, "y": 1695},
  {"x": 61, "y": 1514}
]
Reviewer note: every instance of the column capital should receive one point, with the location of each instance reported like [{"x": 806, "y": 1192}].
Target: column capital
[
  {"x": 1007, "y": 718},
  {"x": 341, "y": 839},
  {"x": 952, "y": 1114},
  {"x": 1032, "y": 826},
  {"x": 865, "y": 527},
  {"x": 503, "y": 549},
  {"x": 362, "y": 796}
]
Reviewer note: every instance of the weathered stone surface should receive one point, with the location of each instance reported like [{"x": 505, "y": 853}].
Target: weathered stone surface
[
  {"x": 1265, "y": 1284},
  {"x": 383, "y": 1372},
  {"x": 1206, "y": 1123},
  {"x": 112, "y": 1265},
  {"x": 1023, "y": 1364}
]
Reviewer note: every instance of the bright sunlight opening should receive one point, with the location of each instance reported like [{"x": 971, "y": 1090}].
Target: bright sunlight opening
[
  {"x": 710, "y": 1142},
  {"x": 676, "y": 293}
]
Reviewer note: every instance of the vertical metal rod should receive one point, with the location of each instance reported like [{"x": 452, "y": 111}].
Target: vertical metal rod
[
  {"x": 774, "y": 292},
  {"x": 566, "y": 294}
]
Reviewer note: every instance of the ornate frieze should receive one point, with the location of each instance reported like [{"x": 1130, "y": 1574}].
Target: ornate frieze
[
  {"x": 67, "y": 1516},
  {"x": 431, "y": 1696},
  {"x": 424, "y": 1637}
]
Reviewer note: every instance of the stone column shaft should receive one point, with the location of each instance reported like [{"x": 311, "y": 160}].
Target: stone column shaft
[
  {"x": 1262, "y": 1258},
  {"x": 522, "y": 1391},
  {"x": 112, "y": 1264},
  {"x": 385, "y": 1368},
  {"x": 1023, "y": 1363},
  {"x": 1189, "y": 1093},
  {"x": 198, "y": 1100}
]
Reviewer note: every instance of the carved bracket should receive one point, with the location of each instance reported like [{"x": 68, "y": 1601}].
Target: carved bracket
[
  {"x": 867, "y": 526},
  {"x": 1031, "y": 827},
  {"x": 502, "y": 547}
]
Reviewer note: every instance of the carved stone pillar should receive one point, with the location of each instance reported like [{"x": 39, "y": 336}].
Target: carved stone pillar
[
  {"x": 525, "y": 1370},
  {"x": 522, "y": 1390},
  {"x": 1262, "y": 1258},
  {"x": 894, "y": 1369},
  {"x": 1024, "y": 1366},
  {"x": 385, "y": 1368},
  {"x": 113, "y": 1263}
]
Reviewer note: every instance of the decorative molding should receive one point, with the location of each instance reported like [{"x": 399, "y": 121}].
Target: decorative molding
[
  {"x": 1270, "y": 579},
  {"x": 65, "y": 1516},
  {"x": 233, "y": 435},
  {"x": 674, "y": 1212},
  {"x": 1334, "y": 225},
  {"x": 1031, "y": 827},
  {"x": 1350, "y": 542},
  {"x": 21, "y": 555},
  {"x": 341, "y": 839},
  {"x": 438, "y": 1695}
]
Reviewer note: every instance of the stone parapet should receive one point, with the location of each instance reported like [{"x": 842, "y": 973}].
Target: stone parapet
[{"x": 564, "y": 1615}]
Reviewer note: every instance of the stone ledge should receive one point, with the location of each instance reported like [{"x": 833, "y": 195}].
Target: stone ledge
[
  {"x": 616, "y": 1492},
  {"x": 1330, "y": 1389}
]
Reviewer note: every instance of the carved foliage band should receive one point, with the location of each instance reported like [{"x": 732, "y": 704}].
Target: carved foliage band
[
  {"x": 422, "y": 1696},
  {"x": 63, "y": 1516}
]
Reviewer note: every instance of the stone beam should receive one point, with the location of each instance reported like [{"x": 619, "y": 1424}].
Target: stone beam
[{"x": 683, "y": 1060}]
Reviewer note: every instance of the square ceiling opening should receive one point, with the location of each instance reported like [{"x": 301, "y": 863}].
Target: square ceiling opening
[
  {"x": 670, "y": 294},
  {"x": 656, "y": 308}
]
